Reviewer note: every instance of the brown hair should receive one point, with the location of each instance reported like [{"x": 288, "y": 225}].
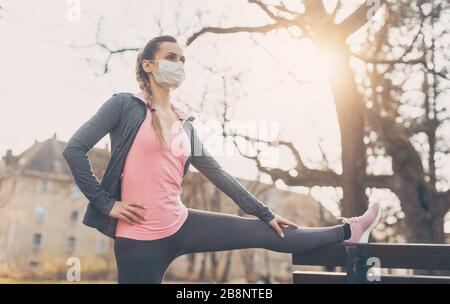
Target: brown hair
[{"x": 148, "y": 52}]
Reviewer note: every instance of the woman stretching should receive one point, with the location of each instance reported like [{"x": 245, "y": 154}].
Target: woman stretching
[{"x": 138, "y": 204}]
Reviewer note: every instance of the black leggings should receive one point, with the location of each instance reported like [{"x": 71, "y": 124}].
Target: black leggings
[{"x": 204, "y": 231}]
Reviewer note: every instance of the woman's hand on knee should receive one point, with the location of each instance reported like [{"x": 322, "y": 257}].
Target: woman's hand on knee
[{"x": 279, "y": 222}]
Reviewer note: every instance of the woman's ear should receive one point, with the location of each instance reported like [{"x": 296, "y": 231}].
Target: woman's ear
[{"x": 147, "y": 66}]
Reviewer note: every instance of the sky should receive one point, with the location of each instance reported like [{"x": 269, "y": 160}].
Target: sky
[{"x": 51, "y": 73}]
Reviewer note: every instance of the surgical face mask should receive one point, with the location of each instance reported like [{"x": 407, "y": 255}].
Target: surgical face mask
[{"x": 170, "y": 74}]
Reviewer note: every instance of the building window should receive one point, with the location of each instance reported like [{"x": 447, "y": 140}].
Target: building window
[
  {"x": 71, "y": 243},
  {"x": 37, "y": 241},
  {"x": 57, "y": 164},
  {"x": 43, "y": 186},
  {"x": 102, "y": 246},
  {"x": 76, "y": 192},
  {"x": 258, "y": 257},
  {"x": 74, "y": 216},
  {"x": 39, "y": 213},
  {"x": 34, "y": 265}
]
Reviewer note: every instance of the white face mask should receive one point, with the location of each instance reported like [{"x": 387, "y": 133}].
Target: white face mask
[{"x": 170, "y": 74}]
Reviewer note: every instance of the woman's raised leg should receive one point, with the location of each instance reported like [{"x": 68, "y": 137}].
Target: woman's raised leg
[{"x": 207, "y": 231}]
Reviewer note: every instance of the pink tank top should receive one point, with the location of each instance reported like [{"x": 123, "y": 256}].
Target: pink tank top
[{"x": 152, "y": 177}]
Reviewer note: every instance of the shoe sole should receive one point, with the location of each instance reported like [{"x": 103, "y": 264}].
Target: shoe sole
[{"x": 365, "y": 236}]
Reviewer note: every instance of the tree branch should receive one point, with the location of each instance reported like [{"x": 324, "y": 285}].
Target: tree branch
[
  {"x": 236, "y": 29},
  {"x": 389, "y": 61},
  {"x": 103, "y": 46},
  {"x": 315, "y": 7},
  {"x": 381, "y": 181},
  {"x": 266, "y": 9},
  {"x": 301, "y": 175}
]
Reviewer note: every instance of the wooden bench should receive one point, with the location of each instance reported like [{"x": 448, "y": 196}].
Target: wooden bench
[{"x": 357, "y": 259}]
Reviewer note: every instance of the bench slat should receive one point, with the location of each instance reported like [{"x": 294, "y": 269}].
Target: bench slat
[
  {"x": 409, "y": 256},
  {"x": 310, "y": 277}
]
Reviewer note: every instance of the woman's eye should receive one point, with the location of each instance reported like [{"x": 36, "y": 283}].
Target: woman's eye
[{"x": 175, "y": 59}]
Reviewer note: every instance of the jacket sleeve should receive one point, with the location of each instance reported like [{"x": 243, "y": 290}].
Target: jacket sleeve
[
  {"x": 204, "y": 162},
  {"x": 75, "y": 151}
]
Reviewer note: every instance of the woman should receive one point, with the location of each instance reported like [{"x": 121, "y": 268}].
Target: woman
[{"x": 138, "y": 204}]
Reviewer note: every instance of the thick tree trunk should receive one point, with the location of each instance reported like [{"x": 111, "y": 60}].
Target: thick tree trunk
[
  {"x": 349, "y": 105},
  {"x": 424, "y": 219},
  {"x": 424, "y": 209}
]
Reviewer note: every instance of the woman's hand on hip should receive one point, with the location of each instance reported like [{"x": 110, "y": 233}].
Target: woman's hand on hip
[
  {"x": 128, "y": 211},
  {"x": 279, "y": 222}
]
